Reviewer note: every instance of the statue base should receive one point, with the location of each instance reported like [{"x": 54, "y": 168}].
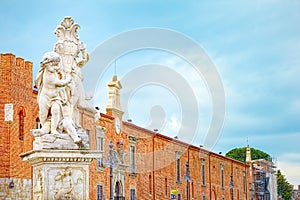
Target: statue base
[{"x": 60, "y": 174}]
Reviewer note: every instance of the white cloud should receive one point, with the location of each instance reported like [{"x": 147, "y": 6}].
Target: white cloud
[
  {"x": 291, "y": 170},
  {"x": 173, "y": 124}
]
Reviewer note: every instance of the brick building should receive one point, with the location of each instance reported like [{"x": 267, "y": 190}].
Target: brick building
[
  {"x": 150, "y": 165},
  {"x": 15, "y": 137}
]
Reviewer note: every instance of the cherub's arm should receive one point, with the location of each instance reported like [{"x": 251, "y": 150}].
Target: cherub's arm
[
  {"x": 84, "y": 55},
  {"x": 61, "y": 83}
]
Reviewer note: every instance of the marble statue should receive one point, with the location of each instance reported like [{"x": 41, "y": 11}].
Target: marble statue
[
  {"x": 50, "y": 96},
  {"x": 61, "y": 94},
  {"x": 61, "y": 154},
  {"x": 69, "y": 48}
]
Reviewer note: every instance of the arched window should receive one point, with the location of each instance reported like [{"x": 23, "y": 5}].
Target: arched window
[{"x": 21, "y": 122}]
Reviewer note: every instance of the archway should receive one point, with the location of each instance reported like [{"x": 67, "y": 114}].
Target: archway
[{"x": 119, "y": 191}]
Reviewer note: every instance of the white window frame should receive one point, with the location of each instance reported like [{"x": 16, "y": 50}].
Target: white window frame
[
  {"x": 177, "y": 166},
  {"x": 100, "y": 143},
  {"x": 203, "y": 175},
  {"x": 222, "y": 175},
  {"x": 132, "y": 155}
]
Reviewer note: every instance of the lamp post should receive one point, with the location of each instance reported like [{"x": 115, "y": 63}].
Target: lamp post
[
  {"x": 188, "y": 178},
  {"x": 231, "y": 186},
  {"x": 111, "y": 161}
]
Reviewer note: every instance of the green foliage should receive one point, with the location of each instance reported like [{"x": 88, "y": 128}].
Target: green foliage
[
  {"x": 240, "y": 154},
  {"x": 284, "y": 188},
  {"x": 237, "y": 154}
]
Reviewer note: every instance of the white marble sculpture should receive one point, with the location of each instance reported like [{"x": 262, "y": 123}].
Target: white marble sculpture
[
  {"x": 50, "y": 95},
  {"x": 61, "y": 93},
  {"x": 69, "y": 48}
]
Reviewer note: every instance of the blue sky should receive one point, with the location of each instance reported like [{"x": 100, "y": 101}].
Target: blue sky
[{"x": 255, "y": 46}]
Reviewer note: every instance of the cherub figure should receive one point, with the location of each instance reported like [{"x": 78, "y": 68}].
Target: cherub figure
[
  {"x": 64, "y": 184},
  {"x": 50, "y": 96},
  {"x": 67, "y": 125}
]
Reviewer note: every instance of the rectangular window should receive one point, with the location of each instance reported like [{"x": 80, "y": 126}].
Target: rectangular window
[
  {"x": 132, "y": 160},
  {"x": 203, "y": 197},
  {"x": 101, "y": 144},
  {"x": 166, "y": 186},
  {"x": 222, "y": 175},
  {"x": 150, "y": 184},
  {"x": 178, "y": 175},
  {"x": 192, "y": 189},
  {"x": 178, "y": 169},
  {"x": 179, "y": 196},
  {"x": 100, "y": 195},
  {"x": 132, "y": 194},
  {"x": 203, "y": 171},
  {"x": 244, "y": 181},
  {"x": 99, "y": 138},
  {"x": 100, "y": 147}
]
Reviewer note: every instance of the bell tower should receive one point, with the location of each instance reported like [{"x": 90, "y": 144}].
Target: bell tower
[
  {"x": 113, "y": 107},
  {"x": 248, "y": 154}
]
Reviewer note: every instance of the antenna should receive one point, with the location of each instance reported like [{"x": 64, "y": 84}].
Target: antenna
[{"x": 247, "y": 141}]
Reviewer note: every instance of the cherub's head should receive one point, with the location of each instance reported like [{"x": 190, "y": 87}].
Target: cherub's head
[
  {"x": 50, "y": 59},
  {"x": 68, "y": 171}
]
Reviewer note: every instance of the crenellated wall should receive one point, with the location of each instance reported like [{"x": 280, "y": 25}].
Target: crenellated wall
[{"x": 16, "y": 89}]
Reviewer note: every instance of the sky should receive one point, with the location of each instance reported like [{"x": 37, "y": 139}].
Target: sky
[{"x": 252, "y": 47}]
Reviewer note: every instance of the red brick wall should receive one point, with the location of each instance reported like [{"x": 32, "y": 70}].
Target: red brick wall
[
  {"x": 155, "y": 159},
  {"x": 6, "y": 60},
  {"x": 16, "y": 88}
]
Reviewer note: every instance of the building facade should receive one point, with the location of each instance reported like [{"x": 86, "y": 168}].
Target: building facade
[
  {"x": 296, "y": 193},
  {"x": 148, "y": 165},
  {"x": 265, "y": 179}
]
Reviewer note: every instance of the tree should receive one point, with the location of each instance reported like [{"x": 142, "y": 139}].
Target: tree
[
  {"x": 240, "y": 154},
  {"x": 284, "y": 188}
]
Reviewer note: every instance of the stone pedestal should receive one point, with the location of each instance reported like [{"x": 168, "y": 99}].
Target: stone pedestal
[{"x": 60, "y": 174}]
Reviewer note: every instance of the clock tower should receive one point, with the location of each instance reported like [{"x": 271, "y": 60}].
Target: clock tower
[{"x": 113, "y": 107}]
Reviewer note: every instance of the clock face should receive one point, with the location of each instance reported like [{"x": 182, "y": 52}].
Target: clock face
[{"x": 117, "y": 125}]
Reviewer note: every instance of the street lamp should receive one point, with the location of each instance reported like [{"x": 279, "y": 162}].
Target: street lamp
[
  {"x": 231, "y": 186},
  {"x": 112, "y": 162},
  {"x": 188, "y": 178}
]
